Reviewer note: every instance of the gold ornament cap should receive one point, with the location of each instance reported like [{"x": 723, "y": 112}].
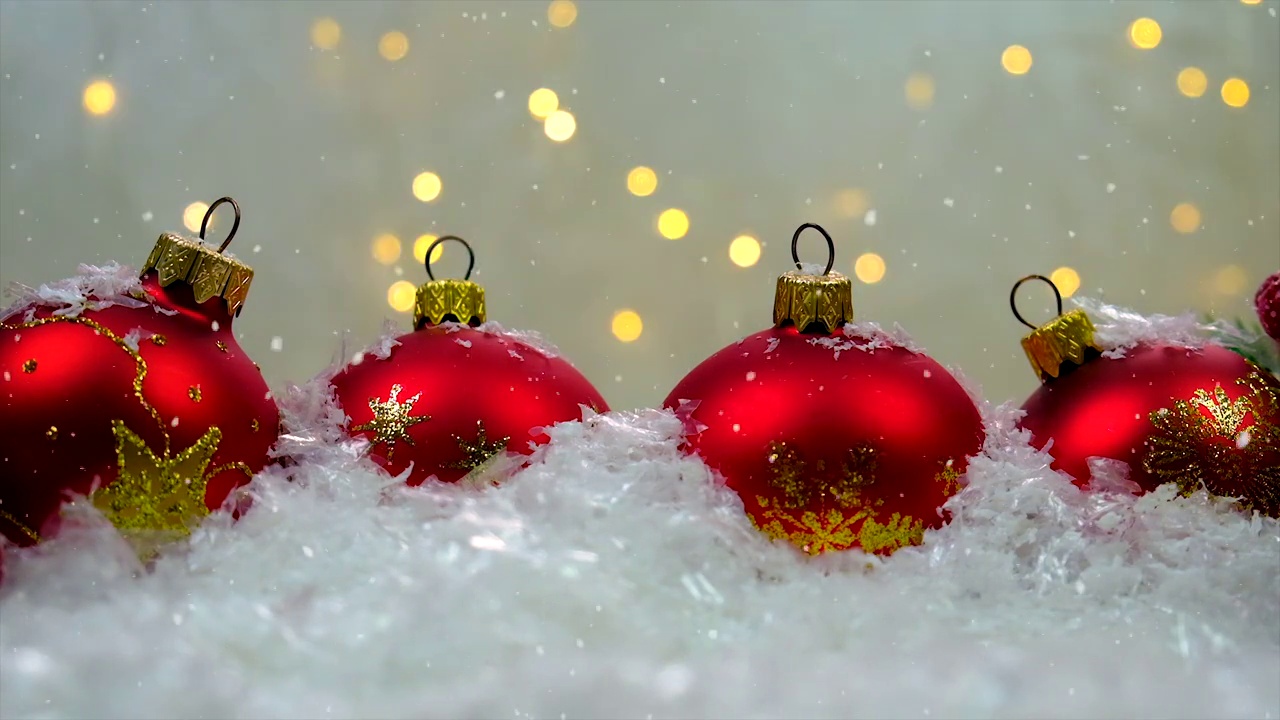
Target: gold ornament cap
[
  {"x": 451, "y": 300},
  {"x": 209, "y": 272},
  {"x": 813, "y": 303},
  {"x": 1060, "y": 345}
]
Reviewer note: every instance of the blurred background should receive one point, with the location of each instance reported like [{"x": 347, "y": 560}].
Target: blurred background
[{"x": 630, "y": 173}]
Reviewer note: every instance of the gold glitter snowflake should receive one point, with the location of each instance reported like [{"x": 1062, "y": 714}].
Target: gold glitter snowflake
[
  {"x": 1230, "y": 447},
  {"x": 788, "y": 514},
  {"x": 157, "y": 498},
  {"x": 479, "y": 451},
  {"x": 392, "y": 419}
]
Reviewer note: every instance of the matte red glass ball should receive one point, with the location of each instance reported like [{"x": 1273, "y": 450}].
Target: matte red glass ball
[
  {"x": 166, "y": 387},
  {"x": 1267, "y": 303},
  {"x": 832, "y": 441},
  {"x": 450, "y": 397},
  {"x": 1173, "y": 414}
]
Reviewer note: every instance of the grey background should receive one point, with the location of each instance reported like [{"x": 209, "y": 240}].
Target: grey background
[{"x": 754, "y": 114}]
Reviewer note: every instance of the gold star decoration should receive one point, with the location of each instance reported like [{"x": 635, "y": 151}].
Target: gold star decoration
[
  {"x": 788, "y": 514},
  {"x": 156, "y": 498},
  {"x": 479, "y": 451},
  {"x": 392, "y": 420},
  {"x": 1230, "y": 447}
]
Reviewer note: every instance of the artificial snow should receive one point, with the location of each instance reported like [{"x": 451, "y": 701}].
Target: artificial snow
[
  {"x": 1118, "y": 329},
  {"x": 94, "y": 288},
  {"x": 531, "y": 338},
  {"x": 614, "y": 577}
]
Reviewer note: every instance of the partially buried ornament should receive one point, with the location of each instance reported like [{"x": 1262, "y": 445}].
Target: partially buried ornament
[
  {"x": 133, "y": 392},
  {"x": 1197, "y": 415},
  {"x": 835, "y": 434},
  {"x": 458, "y": 394}
]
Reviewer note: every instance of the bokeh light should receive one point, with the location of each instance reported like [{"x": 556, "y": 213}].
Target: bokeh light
[
  {"x": 852, "y": 202},
  {"x": 919, "y": 91},
  {"x": 869, "y": 268},
  {"x": 1192, "y": 82},
  {"x": 401, "y": 294},
  {"x": 427, "y": 186},
  {"x": 193, "y": 215},
  {"x": 673, "y": 224},
  {"x": 99, "y": 97},
  {"x": 1016, "y": 60},
  {"x": 1251, "y": 2},
  {"x": 1067, "y": 280},
  {"x": 1235, "y": 92},
  {"x": 560, "y": 125},
  {"x": 744, "y": 251},
  {"x": 420, "y": 249},
  {"x": 1145, "y": 33},
  {"x": 642, "y": 181},
  {"x": 627, "y": 325},
  {"x": 326, "y": 33},
  {"x": 1230, "y": 280},
  {"x": 393, "y": 46},
  {"x": 562, "y": 13},
  {"x": 386, "y": 248},
  {"x": 1185, "y": 218},
  {"x": 543, "y": 102}
]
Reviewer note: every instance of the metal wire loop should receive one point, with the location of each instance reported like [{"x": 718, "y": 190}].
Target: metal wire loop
[
  {"x": 471, "y": 255},
  {"x": 831, "y": 246},
  {"x": 204, "y": 224},
  {"x": 1013, "y": 298}
]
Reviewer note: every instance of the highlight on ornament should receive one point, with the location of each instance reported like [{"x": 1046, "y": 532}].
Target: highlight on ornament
[
  {"x": 836, "y": 434},
  {"x": 133, "y": 391}
]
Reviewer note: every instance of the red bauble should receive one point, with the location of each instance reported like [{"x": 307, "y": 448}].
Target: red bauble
[
  {"x": 450, "y": 397},
  {"x": 834, "y": 437},
  {"x": 1198, "y": 417},
  {"x": 1267, "y": 303},
  {"x": 146, "y": 396},
  {"x": 1174, "y": 414}
]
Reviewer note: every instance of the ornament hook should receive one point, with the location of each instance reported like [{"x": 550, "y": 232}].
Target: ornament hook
[
  {"x": 1013, "y": 297},
  {"x": 204, "y": 224},
  {"x": 831, "y": 246},
  {"x": 471, "y": 255}
]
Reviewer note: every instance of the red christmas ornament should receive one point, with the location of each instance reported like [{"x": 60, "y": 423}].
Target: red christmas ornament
[
  {"x": 139, "y": 397},
  {"x": 1267, "y": 302},
  {"x": 1192, "y": 416},
  {"x": 455, "y": 395},
  {"x": 834, "y": 435}
]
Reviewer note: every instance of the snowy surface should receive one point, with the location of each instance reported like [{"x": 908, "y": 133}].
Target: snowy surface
[{"x": 614, "y": 578}]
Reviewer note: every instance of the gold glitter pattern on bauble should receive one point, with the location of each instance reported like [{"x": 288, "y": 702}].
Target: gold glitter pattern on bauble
[
  {"x": 254, "y": 425},
  {"x": 852, "y": 522},
  {"x": 222, "y": 346},
  {"x": 139, "y": 468},
  {"x": 1230, "y": 447},
  {"x": 156, "y": 493},
  {"x": 52, "y": 432},
  {"x": 949, "y": 478},
  {"x": 479, "y": 451},
  {"x": 29, "y": 366},
  {"x": 392, "y": 420},
  {"x": 21, "y": 527},
  {"x": 194, "y": 393}
]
